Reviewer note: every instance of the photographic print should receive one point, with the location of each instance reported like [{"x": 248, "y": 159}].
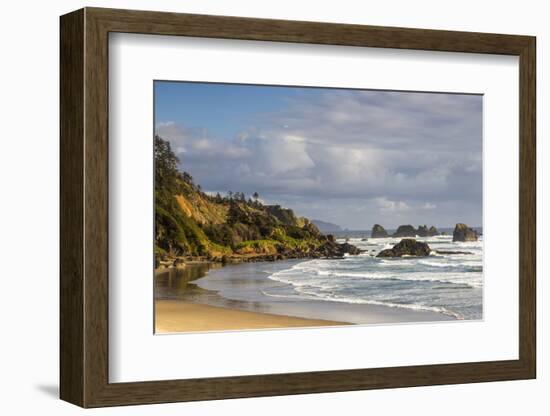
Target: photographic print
[{"x": 286, "y": 207}]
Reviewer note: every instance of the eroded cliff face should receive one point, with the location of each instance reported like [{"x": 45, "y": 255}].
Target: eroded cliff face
[{"x": 191, "y": 225}]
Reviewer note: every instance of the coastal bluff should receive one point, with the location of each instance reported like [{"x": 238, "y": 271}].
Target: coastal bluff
[{"x": 195, "y": 226}]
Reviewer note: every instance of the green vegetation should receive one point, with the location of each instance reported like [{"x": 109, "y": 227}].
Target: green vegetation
[{"x": 190, "y": 223}]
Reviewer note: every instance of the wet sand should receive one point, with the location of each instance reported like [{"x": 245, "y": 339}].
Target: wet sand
[
  {"x": 208, "y": 297},
  {"x": 175, "y": 316}
]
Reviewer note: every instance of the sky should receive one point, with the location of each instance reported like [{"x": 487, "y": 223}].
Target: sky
[{"x": 350, "y": 157}]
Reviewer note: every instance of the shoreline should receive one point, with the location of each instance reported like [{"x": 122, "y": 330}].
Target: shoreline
[
  {"x": 173, "y": 316},
  {"x": 213, "y": 290}
]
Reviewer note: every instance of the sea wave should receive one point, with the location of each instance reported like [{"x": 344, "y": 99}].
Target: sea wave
[
  {"x": 295, "y": 278},
  {"x": 411, "y": 306},
  {"x": 449, "y": 284}
]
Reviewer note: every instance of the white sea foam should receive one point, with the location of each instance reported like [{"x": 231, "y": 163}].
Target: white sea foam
[
  {"x": 449, "y": 284},
  {"x": 411, "y": 306}
]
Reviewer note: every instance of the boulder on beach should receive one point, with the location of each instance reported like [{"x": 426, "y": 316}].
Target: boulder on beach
[
  {"x": 464, "y": 233},
  {"x": 405, "y": 231},
  {"x": 407, "y": 247},
  {"x": 378, "y": 231}
]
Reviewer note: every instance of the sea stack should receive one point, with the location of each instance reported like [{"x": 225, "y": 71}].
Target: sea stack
[
  {"x": 464, "y": 233},
  {"x": 405, "y": 231},
  {"x": 407, "y": 247},
  {"x": 378, "y": 232},
  {"x": 422, "y": 231}
]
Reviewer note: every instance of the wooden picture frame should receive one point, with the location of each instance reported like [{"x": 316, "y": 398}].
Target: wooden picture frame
[{"x": 84, "y": 207}]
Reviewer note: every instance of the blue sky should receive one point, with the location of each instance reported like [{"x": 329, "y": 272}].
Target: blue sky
[
  {"x": 351, "y": 157},
  {"x": 225, "y": 110}
]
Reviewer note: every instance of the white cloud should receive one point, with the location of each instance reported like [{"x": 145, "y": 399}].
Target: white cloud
[
  {"x": 386, "y": 205},
  {"x": 393, "y": 151}
]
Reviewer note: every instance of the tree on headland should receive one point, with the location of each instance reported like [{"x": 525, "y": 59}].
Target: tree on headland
[
  {"x": 191, "y": 223},
  {"x": 187, "y": 178},
  {"x": 166, "y": 164},
  {"x": 256, "y": 198}
]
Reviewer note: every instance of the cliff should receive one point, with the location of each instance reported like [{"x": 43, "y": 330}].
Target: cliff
[{"x": 191, "y": 225}]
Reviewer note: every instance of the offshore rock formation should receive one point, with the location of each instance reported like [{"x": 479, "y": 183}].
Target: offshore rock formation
[
  {"x": 378, "y": 232},
  {"x": 424, "y": 231},
  {"x": 432, "y": 231},
  {"x": 405, "y": 231},
  {"x": 407, "y": 247},
  {"x": 464, "y": 233}
]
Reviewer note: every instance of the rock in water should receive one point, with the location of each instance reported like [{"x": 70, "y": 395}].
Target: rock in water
[
  {"x": 405, "y": 231},
  {"x": 378, "y": 232},
  {"x": 464, "y": 233},
  {"x": 350, "y": 249},
  {"x": 407, "y": 247},
  {"x": 333, "y": 249},
  {"x": 422, "y": 231},
  {"x": 432, "y": 231}
]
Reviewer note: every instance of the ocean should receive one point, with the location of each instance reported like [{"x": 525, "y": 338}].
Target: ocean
[
  {"x": 409, "y": 289},
  {"x": 450, "y": 284}
]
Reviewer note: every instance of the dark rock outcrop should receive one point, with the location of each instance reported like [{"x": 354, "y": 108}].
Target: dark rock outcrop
[
  {"x": 333, "y": 249},
  {"x": 378, "y": 231},
  {"x": 424, "y": 231},
  {"x": 452, "y": 252},
  {"x": 407, "y": 247},
  {"x": 349, "y": 249},
  {"x": 464, "y": 233},
  {"x": 405, "y": 231}
]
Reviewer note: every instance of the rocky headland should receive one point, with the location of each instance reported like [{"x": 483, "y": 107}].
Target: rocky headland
[{"x": 193, "y": 226}]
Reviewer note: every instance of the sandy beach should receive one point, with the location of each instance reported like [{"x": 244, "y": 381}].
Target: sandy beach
[
  {"x": 175, "y": 316},
  {"x": 207, "y": 297}
]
